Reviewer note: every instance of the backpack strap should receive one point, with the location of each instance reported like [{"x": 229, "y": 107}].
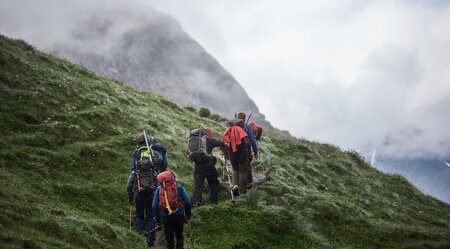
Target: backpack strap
[{"x": 167, "y": 198}]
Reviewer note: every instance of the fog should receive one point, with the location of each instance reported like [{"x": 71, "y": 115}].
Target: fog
[{"x": 358, "y": 74}]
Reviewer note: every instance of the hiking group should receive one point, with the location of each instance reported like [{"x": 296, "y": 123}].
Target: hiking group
[{"x": 162, "y": 201}]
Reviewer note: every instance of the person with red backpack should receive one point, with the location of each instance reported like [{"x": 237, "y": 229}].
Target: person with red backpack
[
  {"x": 252, "y": 145},
  {"x": 238, "y": 142},
  {"x": 171, "y": 206}
]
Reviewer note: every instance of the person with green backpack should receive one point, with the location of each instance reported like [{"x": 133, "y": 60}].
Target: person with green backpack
[{"x": 142, "y": 180}]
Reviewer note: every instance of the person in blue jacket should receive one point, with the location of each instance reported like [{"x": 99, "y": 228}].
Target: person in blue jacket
[
  {"x": 254, "y": 147},
  {"x": 173, "y": 223},
  {"x": 160, "y": 158},
  {"x": 144, "y": 196}
]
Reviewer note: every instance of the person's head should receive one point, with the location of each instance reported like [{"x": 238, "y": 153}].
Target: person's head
[
  {"x": 140, "y": 140},
  {"x": 241, "y": 115},
  {"x": 209, "y": 132}
]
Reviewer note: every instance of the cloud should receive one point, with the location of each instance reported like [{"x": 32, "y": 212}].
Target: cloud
[{"x": 359, "y": 74}]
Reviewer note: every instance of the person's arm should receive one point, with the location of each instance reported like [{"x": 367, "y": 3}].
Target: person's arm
[
  {"x": 165, "y": 160},
  {"x": 213, "y": 143},
  {"x": 133, "y": 160},
  {"x": 155, "y": 205},
  {"x": 187, "y": 202},
  {"x": 252, "y": 139},
  {"x": 130, "y": 186}
]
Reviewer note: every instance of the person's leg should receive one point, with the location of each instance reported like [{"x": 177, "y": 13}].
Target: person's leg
[
  {"x": 149, "y": 222},
  {"x": 249, "y": 172},
  {"x": 169, "y": 231},
  {"x": 140, "y": 215},
  {"x": 243, "y": 177},
  {"x": 235, "y": 177},
  {"x": 213, "y": 184},
  {"x": 198, "y": 188},
  {"x": 178, "y": 224}
]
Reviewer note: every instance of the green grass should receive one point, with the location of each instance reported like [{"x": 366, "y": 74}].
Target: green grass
[{"x": 66, "y": 139}]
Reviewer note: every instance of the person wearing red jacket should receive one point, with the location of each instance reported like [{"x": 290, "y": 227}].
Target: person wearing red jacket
[{"x": 237, "y": 138}]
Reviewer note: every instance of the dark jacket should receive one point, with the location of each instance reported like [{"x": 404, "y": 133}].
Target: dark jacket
[{"x": 207, "y": 165}]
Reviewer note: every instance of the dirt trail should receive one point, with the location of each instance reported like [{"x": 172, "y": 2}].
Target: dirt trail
[{"x": 258, "y": 171}]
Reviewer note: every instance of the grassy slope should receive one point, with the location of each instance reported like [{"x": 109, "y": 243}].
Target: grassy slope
[{"x": 66, "y": 138}]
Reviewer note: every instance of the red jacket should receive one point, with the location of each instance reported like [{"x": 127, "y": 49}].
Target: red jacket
[{"x": 233, "y": 135}]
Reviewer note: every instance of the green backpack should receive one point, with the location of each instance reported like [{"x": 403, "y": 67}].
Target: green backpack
[{"x": 145, "y": 170}]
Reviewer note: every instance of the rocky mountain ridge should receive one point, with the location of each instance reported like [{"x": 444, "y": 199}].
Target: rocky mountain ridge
[{"x": 155, "y": 54}]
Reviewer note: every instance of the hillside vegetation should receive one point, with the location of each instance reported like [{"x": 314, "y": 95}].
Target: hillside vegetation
[{"x": 66, "y": 139}]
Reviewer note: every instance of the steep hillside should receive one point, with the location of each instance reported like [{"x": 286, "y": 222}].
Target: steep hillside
[
  {"x": 66, "y": 138},
  {"x": 155, "y": 54}
]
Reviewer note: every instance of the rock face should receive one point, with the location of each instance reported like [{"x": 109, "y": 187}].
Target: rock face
[{"x": 153, "y": 53}]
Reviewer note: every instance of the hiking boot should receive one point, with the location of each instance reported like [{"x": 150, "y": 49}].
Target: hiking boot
[
  {"x": 197, "y": 204},
  {"x": 235, "y": 190}
]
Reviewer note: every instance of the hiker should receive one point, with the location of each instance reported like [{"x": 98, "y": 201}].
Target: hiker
[
  {"x": 252, "y": 145},
  {"x": 158, "y": 152},
  {"x": 204, "y": 164},
  {"x": 238, "y": 141},
  {"x": 171, "y": 206},
  {"x": 143, "y": 179}
]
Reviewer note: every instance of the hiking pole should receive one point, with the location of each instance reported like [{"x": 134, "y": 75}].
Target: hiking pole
[
  {"x": 131, "y": 215},
  {"x": 229, "y": 180},
  {"x": 154, "y": 229},
  {"x": 248, "y": 119}
]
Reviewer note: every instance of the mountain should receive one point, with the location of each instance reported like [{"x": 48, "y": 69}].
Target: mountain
[
  {"x": 153, "y": 53},
  {"x": 66, "y": 135},
  {"x": 430, "y": 175}
]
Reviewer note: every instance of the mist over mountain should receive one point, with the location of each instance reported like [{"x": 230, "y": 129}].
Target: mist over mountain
[
  {"x": 430, "y": 175},
  {"x": 153, "y": 53}
]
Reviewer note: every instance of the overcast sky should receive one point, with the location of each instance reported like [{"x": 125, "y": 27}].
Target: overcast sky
[{"x": 358, "y": 74}]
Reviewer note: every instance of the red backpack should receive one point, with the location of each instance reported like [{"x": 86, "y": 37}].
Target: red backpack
[
  {"x": 168, "y": 194},
  {"x": 257, "y": 130}
]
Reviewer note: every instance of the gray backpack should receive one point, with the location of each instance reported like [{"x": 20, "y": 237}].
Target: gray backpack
[{"x": 197, "y": 147}]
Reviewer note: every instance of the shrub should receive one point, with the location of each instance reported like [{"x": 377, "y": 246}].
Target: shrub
[
  {"x": 204, "y": 112},
  {"x": 190, "y": 108}
]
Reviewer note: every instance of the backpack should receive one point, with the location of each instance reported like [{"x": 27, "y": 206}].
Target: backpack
[
  {"x": 257, "y": 130},
  {"x": 157, "y": 158},
  {"x": 168, "y": 193},
  {"x": 237, "y": 122},
  {"x": 145, "y": 170},
  {"x": 197, "y": 145}
]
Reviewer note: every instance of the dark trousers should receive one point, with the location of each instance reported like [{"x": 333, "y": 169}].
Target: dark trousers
[
  {"x": 249, "y": 171},
  {"x": 206, "y": 170},
  {"x": 239, "y": 162},
  {"x": 144, "y": 215},
  {"x": 173, "y": 228}
]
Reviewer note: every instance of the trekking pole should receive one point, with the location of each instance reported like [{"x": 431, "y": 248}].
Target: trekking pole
[
  {"x": 248, "y": 119},
  {"x": 228, "y": 175},
  {"x": 131, "y": 215}
]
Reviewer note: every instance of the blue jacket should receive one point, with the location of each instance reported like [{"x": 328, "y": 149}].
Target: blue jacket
[
  {"x": 251, "y": 136},
  {"x": 183, "y": 196},
  {"x": 135, "y": 156}
]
